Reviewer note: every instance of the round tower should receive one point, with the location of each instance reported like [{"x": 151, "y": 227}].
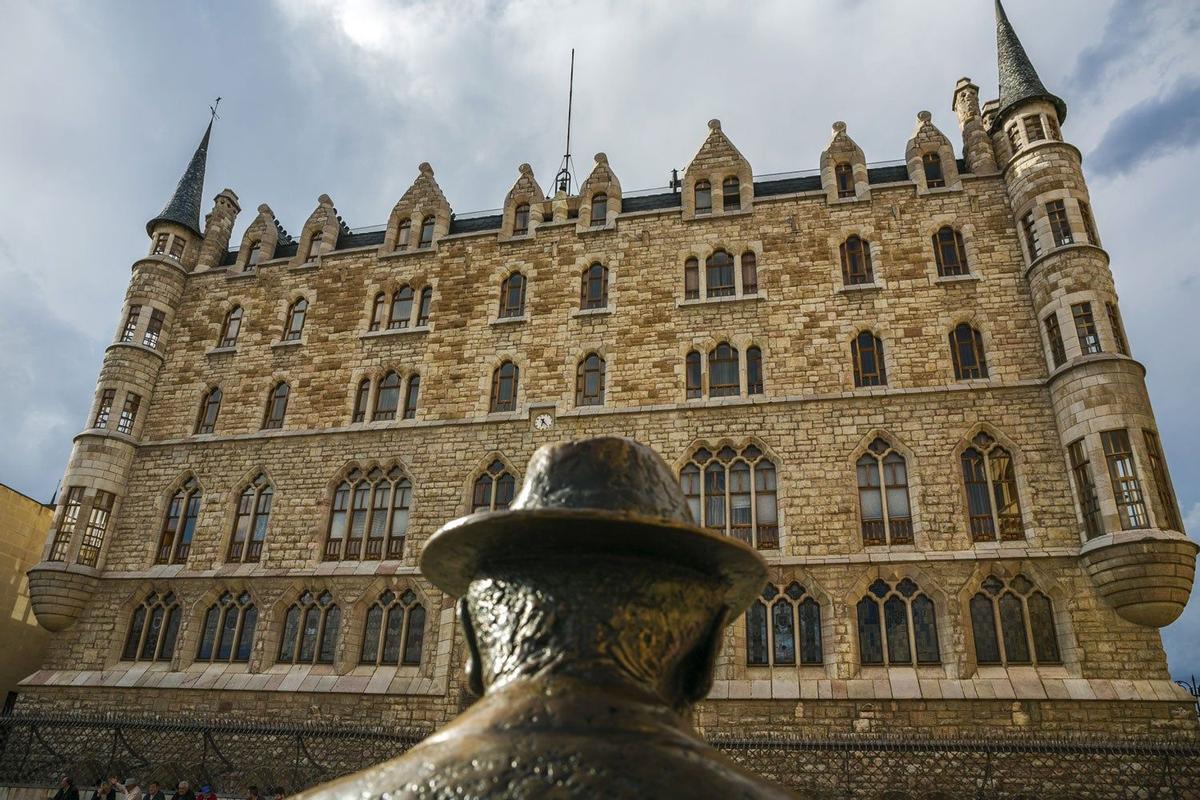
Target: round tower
[
  {"x": 1133, "y": 544},
  {"x": 96, "y": 475}
]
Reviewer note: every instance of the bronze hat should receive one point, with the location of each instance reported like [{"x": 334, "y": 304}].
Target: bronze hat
[{"x": 607, "y": 495}]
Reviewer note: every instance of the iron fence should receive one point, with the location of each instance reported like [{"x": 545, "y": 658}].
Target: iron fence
[{"x": 36, "y": 750}]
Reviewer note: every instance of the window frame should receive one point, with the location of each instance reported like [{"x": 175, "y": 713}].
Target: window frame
[
  {"x": 387, "y": 602},
  {"x": 858, "y": 348},
  {"x": 995, "y": 526},
  {"x": 591, "y": 365},
  {"x": 166, "y": 631},
  {"x": 702, "y": 194},
  {"x": 899, "y": 590},
  {"x": 892, "y": 529},
  {"x": 593, "y": 289},
  {"x": 993, "y": 590},
  {"x": 731, "y": 194},
  {"x": 971, "y": 345},
  {"x": 499, "y": 378},
  {"x": 857, "y": 269},
  {"x": 694, "y": 479},
  {"x": 935, "y": 175},
  {"x": 493, "y": 488},
  {"x": 231, "y": 328},
  {"x": 277, "y": 403},
  {"x": 794, "y": 595},
  {"x": 297, "y": 314},
  {"x": 180, "y": 520},
  {"x": 1128, "y": 493},
  {"x": 210, "y": 411},
  {"x": 508, "y": 309},
  {"x": 254, "y": 507},
  {"x": 354, "y": 512},
  {"x": 950, "y": 252}
]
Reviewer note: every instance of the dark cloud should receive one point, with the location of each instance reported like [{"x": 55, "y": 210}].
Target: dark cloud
[{"x": 1150, "y": 130}]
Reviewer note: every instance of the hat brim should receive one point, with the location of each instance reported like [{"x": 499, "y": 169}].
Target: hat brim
[{"x": 462, "y": 549}]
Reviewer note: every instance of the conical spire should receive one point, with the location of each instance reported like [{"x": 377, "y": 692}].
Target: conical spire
[
  {"x": 184, "y": 206},
  {"x": 1019, "y": 81}
]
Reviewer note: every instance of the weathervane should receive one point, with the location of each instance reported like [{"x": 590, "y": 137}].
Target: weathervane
[
  {"x": 563, "y": 178},
  {"x": 213, "y": 108}
]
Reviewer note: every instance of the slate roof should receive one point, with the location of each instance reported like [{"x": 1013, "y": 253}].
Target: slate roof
[
  {"x": 184, "y": 206},
  {"x": 1019, "y": 81}
]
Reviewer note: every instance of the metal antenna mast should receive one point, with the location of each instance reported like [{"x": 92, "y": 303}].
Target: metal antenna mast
[{"x": 563, "y": 180}]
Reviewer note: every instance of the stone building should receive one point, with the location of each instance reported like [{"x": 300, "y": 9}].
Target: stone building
[
  {"x": 23, "y": 525},
  {"x": 908, "y": 385}
]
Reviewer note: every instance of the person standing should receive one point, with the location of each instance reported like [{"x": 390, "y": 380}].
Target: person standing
[
  {"x": 183, "y": 792},
  {"x": 66, "y": 790},
  {"x": 154, "y": 792},
  {"x": 107, "y": 790}
]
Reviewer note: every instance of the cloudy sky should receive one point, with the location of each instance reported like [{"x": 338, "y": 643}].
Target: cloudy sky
[{"x": 105, "y": 101}]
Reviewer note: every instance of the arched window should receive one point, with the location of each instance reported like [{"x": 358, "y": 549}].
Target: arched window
[
  {"x": 599, "y": 209},
  {"x": 950, "y": 252},
  {"x": 1024, "y": 619},
  {"x": 780, "y": 626},
  {"x": 404, "y": 235},
  {"x": 426, "y": 239},
  {"x": 361, "y": 397},
  {"x": 754, "y": 371},
  {"x": 883, "y": 495},
  {"x": 966, "y": 350},
  {"x": 377, "y": 311},
  {"x": 250, "y": 525},
  {"x": 394, "y": 630},
  {"x": 277, "y": 402},
  {"x": 693, "y": 370},
  {"x": 703, "y": 197},
  {"x": 231, "y": 328},
  {"x": 723, "y": 378},
  {"x": 718, "y": 272},
  {"x": 371, "y": 507},
  {"x": 179, "y": 524},
  {"x": 494, "y": 489},
  {"x": 856, "y": 262},
  {"x": 153, "y": 629},
  {"x": 314, "y": 246},
  {"x": 991, "y": 483},
  {"x": 932, "y": 163},
  {"x": 691, "y": 279},
  {"x": 749, "y": 272},
  {"x": 734, "y": 491},
  {"x": 896, "y": 623},
  {"x": 843, "y": 175},
  {"x": 253, "y": 256},
  {"x": 423, "y": 306},
  {"x": 512, "y": 295},
  {"x": 387, "y": 398},
  {"x": 593, "y": 290},
  {"x": 589, "y": 381},
  {"x": 295, "y": 320},
  {"x": 504, "y": 387},
  {"x": 310, "y": 630},
  {"x": 402, "y": 306},
  {"x": 866, "y": 352},
  {"x": 410, "y": 396},
  {"x": 521, "y": 220},
  {"x": 210, "y": 407},
  {"x": 228, "y": 632},
  {"x": 731, "y": 194}
]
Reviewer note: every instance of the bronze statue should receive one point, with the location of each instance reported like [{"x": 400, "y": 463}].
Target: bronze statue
[{"x": 593, "y": 611}]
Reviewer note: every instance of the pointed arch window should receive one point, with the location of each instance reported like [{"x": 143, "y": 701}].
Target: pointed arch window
[
  {"x": 866, "y": 353},
  {"x": 1013, "y": 623},
  {"x": 883, "y": 504},
  {"x": 521, "y": 220},
  {"x": 361, "y": 398},
  {"x": 512, "y": 296},
  {"x": 599, "y": 209},
  {"x": 394, "y": 630},
  {"x": 387, "y": 398},
  {"x": 423, "y": 307},
  {"x": 966, "y": 351},
  {"x": 504, "y": 387},
  {"x": 411, "y": 396},
  {"x": 950, "y": 252},
  {"x": 694, "y": 375},
  {"x": 210, "y": 408},
  {"x": 754, "y": 370},
  {"x": 897, "y": 625},
  {"x": 589, "y": 381},
  {"x": 731, "y": 194},
  {"x": 593, "y": 291},
  {"x": 734, "y": 491},
  {"x": 404, "y": 235},
  {"x": 369, "y": 516},
  {"x": 718, "y": 273},
  {"x": 749, "y": 272},
  {"x": 314, "y": 246},
  {"x": 295, "y": 320},
  {"x": 934, "y": 177},
  {"x": 691, "y": 279},
  {"x": 253, "y": 257},
  {"x": 153, "y": 629},
  {"x": 843, "y": 175},
  {"x": 310, "y": 630},
  {"x": 277, "y": 402},
  {"x": 231, "y": 328},
  {"x": 783, "y": 627},
  {"x": 703, "y": 196},
  {"x": 250, "y": 523},
  {"x": 426, "y": 240},
  {"x": 494, "y": 489},
  {"x": 179, "y": 524},
  {"x": 723, "y": 377},
  {"x": 402, "y": 308},
  {"x": 228, "y": 631},
  {"x": 991, "y": 482},
  {"x": 856, "y": 261}
]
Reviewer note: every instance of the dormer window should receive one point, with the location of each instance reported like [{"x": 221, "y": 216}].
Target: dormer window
[
  {"x": 314, "y": 247},
  {"x": 253, "y": 257},
  {"x": 521, "y": 220},
  {"x": 599, "y": 209},
  {"x": 731, "y": 194},
  {"x": 843, "y": 176},
  {"x": 426, "y": 239},
  {"x": 934, "y": 178},
  {"x": 404, "y": 235},
  {"x": 703, "y": 197}
]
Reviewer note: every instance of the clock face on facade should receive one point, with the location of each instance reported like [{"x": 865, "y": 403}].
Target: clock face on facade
[{"x": 543, "y": 422}]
